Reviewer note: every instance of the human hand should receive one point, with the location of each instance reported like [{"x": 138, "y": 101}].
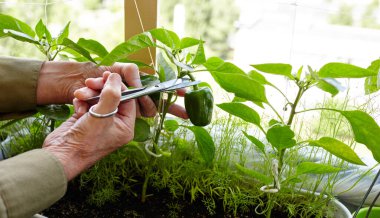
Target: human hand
[
  {"x": 58, "y": 81},
  {"x": 83, "y": 139}
]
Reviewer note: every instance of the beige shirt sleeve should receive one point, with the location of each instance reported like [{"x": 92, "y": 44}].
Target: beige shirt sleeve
[
  {"x": 32, "y": 181},
  {"x": 18, "y": 86},
  {"x": 29, "y": 183}
]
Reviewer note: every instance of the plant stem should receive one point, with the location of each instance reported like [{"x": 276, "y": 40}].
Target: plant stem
[
  {"x": 56, "y": 53},
  {"x": 155, "y": 142},
  {"x": 192, "y": 78},
  {"x": 290, "y": 121},
  {"x": 294, "y": 105},
  {"x": 52, "y": 124}
]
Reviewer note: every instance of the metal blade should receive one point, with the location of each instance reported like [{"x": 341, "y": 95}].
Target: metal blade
[
  {"x": 139, "y": 92},
  {"x": 183, "y": 85},
  {"x": 152, "y": 89}
]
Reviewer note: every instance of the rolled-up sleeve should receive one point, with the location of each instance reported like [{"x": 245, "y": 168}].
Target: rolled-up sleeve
[
  {"x": 18, "y": 85},
  {"x": 29, "y": 183}
]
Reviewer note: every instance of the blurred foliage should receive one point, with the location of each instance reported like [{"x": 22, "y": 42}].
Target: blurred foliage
[
  {"x": 343, "y": 17},
  {"x": 206, "y": 18},
  {"x": 98, "y": 19},
  {"x": 368, "y": 19},
  {"x": 104, "y": 20}
]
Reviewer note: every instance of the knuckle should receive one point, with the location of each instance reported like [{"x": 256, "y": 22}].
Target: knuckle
[
  {"x": 111, "y": 93},
  {"x": 131, "y": 68}
]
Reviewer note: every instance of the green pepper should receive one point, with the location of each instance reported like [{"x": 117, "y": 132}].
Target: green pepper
[{"x": 199, "y": 104}]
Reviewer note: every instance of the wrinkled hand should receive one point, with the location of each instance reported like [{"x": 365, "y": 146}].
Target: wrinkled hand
[
  {"x": 82, "y": 140},
  {"x": 58, "y": 81}
]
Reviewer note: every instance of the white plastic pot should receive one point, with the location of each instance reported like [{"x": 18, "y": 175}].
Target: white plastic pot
[{"x": 341, "y": 211}]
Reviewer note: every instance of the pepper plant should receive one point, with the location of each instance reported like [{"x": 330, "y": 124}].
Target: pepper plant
[
  {"x": 178, "y": 58},
  {"x": 279, "y": 132}
]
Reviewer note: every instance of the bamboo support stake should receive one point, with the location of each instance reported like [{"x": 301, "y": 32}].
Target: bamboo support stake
[{"x": 140, "y": 15}]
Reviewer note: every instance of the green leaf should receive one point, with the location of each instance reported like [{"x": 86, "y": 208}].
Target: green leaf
[
  {"x": 275, "y": 68},
  {"x": 281, "y": 137},
  {"x": 238, "y": 99},
  {"x": 375, "y": 65},
  {"x": 253, "y": 74},
  {"x": 138, "y": 63},
  {"x": 93, "y": 46},
  {"x": 20, "y": 36},
  {"x": 273, "y": 122},
  {"x": 63, "y": 34},
  {"x": 177, "y": 62},
  {"x": 72, "y": 45},
  {"x": 132, "y": 45},
  {"x": 204, "y": 84},
  {"x": 149, "y": 80},
  {"x": 254, "y": 174},
  {"x": 256, "y": 142},
  {"x": 299, "y": 73},
  {"x": 142, "y": 130},
  {"x": 294, "y": 180},
  {"x": 9, "y": 22},
  {"x": 338, "y": 149},
  {"x": 241, "y": 85},
  {"x": 42, "y": 31},
  {"x": 171, "y": 125},
  {"x": 326, "y": 86},
  {"x": 200, "y": 56},
  {"x": 371, "y": 85},
  {"x": 341, "y": 70},
  {"x": 259, "y": 103},
  {"x": 166, "y": 37},
  {"x": 315, "y": 168},
  {"x": 165, "y": 71},
  {"x": 188, "y": 42},
  {"x": 75, "y": 55},
  {"x": 215, "y": 64},
  {"x": 365, "y": 129},
  {"x": 205, "y": 143},
  {"x": 56, "y": 112},
  {"x": 242, "y": 111}
]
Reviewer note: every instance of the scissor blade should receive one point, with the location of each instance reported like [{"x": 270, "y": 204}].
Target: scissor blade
[
  {"x": 139, "y": 92},
  {"x": 95, "y": 99},
  {"x": 183, "y": 85},
  {"x": 152, "y": 89}
]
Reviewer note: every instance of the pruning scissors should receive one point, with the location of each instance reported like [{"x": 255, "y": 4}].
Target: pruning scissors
[{"x": 170, "y": 85}]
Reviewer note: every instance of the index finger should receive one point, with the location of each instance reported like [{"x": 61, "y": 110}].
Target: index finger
[{"x": 130, "y": 73}]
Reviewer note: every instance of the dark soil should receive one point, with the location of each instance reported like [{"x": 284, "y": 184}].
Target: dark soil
[{"x": 74, "y": 204}]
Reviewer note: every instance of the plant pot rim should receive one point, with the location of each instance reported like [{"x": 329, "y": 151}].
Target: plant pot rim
[{"x": 341, "y": 210}]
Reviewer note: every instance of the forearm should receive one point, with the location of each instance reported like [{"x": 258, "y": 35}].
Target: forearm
[
  {"x": 30, "y": 182},
  {"x": 26, "y": 83}
]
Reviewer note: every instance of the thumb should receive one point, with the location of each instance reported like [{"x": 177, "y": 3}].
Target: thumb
[{"x": 110, "y": 95}]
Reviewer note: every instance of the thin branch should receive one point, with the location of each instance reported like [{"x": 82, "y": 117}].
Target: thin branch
[{"x": 275, "y": 111}]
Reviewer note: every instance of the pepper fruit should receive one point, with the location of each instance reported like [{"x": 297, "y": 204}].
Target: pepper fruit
[{"x": 199, "y": 104}]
